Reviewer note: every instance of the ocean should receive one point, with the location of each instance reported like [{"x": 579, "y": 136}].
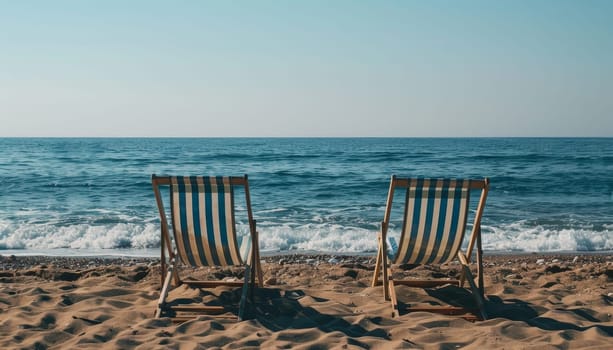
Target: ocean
[{"x": 93, "y": 196}]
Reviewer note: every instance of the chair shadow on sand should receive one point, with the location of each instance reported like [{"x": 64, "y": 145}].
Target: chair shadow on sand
[
  {"x": 513, "y": 309},
  {"x": 279, "y": 310}
]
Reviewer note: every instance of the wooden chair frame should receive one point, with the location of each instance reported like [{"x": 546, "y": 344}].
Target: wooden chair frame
[
  {"x": 383, "y": 265},
  {"x": 169, "y": 269}
]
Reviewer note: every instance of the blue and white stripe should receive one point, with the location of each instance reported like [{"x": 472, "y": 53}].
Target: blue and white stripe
[
  {"x": 436, "y": 211},
  {"x": 203, "y": 220}
]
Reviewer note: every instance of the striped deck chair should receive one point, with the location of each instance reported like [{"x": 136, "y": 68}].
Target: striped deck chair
[
  {"x": 434, "y": 226},
  {"x": 204, "y": 235}
]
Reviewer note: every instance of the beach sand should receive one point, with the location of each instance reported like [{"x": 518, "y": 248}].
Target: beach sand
[{"x": 562, "y": 301}]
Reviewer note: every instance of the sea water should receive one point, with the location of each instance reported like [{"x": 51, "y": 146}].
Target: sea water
[{"x": 89, "y": 196}]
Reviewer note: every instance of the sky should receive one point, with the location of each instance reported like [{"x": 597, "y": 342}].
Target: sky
[{"x": 306, "y": 68}]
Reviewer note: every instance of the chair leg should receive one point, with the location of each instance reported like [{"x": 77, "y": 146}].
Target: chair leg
[
  {"x": 162, "y": 265},
  {"x": 475, "y": 292},
  {"x": 174, "y": 261},
  {"x": 463, "y": 261},
  {"x": 258, "y": 267},
  {"x": 387, "y": 272},
  {"x": 247, "y": 289},
  {"x": 480, "y": 265},
  {"x": 165, "y": 287},
  {"x": 252, "y": 270},
  {"x": 375, "y": 277},
  {"x": 393, "y": 298}
]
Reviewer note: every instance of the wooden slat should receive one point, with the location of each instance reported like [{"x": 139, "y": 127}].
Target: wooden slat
[
  {"x": 421, "y": 283},
  {"x": 446, "y": 310},
  {"x": 198, "y": 308},
  {"x": 474, "y": 183},
  {"x": 165, "y": 180},
  {"x": 426, "y": 283},
  {"x": 212, "y": 284}
]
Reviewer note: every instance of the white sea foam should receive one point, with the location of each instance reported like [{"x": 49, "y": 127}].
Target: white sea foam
[
  {"x": 323, "y": 237},
  {"x": 521, "y": 237},
  {"x": 318, "y": 237},
  {"x": 80, "y": 236}
]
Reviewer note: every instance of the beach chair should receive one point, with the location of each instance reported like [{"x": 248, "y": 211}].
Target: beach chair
[
  {"x": 204, "y": 235},
  {"x": 434, "y": 226}
]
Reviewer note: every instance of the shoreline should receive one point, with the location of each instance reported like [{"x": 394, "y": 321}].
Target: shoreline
[
  {"x": 17, "y": 263},
  {"x": 155, "y": 253}
]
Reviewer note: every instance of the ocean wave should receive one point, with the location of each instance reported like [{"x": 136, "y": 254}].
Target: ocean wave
[
  {"x": 319, "y": 236},
  {"x": 78, "y": 236},
  {"x": 519, "y": 236}
]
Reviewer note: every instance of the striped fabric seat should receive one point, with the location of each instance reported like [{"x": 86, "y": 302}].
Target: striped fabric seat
[
  {"x": 203, "y": 220},
  {"x": 435, "y": 220},
  {"x": 434, "y": 225}
]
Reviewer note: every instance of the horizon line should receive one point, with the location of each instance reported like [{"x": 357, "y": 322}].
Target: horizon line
[{"x": 305, "y": 137}]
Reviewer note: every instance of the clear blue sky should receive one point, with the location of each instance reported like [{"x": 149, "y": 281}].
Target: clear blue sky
[{"x": 309, "y": 68}]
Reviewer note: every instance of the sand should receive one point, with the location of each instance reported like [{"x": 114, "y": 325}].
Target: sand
[{"x": 540, "y": 302}]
